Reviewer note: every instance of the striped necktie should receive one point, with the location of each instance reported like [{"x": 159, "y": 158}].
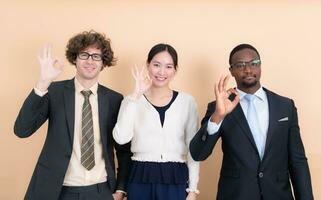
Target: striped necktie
[{"x": 87, "y": 138}]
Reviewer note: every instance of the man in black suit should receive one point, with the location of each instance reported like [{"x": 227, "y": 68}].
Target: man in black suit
[
  {"x": 261, "y": 143},
  {"x": 77, "y": 159}
]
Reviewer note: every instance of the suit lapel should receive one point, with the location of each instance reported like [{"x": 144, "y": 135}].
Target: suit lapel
[
  {"x": 272, "y": 119},
  {"x": 103, "y": 109},
  {"x": 240, "y": 119},
  {"x": 69, "y": 101}
]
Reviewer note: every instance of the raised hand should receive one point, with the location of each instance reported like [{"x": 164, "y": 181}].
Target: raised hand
[
  {"x": 50, "y": 68},
  {"x": 142, "y": 81},
  {"x": 223, "y": 104}
]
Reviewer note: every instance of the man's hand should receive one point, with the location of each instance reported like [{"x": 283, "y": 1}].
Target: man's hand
[
  {"x": 223, "y": 104},
  {"x": 118, "y": 196},
  {"x": 49, "y": 68}
]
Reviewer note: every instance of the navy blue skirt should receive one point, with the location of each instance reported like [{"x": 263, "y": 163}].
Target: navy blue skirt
[{"x": 154, "y": 180}]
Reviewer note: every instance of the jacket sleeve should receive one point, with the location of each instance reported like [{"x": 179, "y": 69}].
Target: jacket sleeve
[
  {"x": 33, "y": 113},
  {"x": 202, "y": 144},
  {"x": 123, "y": 155},
  {"x": 298, "y": 165}
]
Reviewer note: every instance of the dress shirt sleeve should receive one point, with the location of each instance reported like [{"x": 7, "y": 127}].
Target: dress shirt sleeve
[
  {"x": 212, "y": 127},
  {"x": 190, "y": 130},
  {"x": 124, "y": 129}
]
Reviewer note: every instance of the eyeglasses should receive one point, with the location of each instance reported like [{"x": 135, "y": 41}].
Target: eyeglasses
[
  {"x": 85, "y": 56},
  {"x": 253, "y": 64}
]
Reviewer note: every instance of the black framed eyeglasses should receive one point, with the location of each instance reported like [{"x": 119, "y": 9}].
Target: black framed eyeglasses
[
  {"x": 253, "y": 64},
  {"x": 85, "y": 56}
]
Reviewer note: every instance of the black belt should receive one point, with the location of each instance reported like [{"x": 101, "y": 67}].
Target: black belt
[{"x": 89, "y": 188}]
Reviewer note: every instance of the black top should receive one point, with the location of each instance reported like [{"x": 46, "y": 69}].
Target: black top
[{"x": 162, "y": 109}]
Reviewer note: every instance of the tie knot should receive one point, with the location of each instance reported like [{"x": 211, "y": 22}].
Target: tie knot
[
  {"x": 86, "y": 93},
  {"x": 249, "y": 98}
]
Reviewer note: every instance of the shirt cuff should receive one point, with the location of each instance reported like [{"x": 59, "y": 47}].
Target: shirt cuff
[
  {"x": 192, "y": 190},
  {"x": 40, "y": 93},
  {"x": 212, "y": 127}
]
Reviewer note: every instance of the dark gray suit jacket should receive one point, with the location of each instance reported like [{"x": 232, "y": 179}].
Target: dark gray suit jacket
[
  {"x": 58, "y": 107},
  {"x": 243, "y": 175}
]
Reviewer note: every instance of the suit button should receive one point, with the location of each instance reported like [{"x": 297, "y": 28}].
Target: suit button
[
  {"x": 204, "y": 137},
  {"x": 261, "y": 174}
]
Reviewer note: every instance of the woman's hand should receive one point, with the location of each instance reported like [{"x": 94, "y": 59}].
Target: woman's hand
[
  {"x": 142, "y": 81},
  {"x": 191, "y": 196}
]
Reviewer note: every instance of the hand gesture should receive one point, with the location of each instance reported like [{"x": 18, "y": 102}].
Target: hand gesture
[
  {"x": 142, "y": 81},
  {"x": 191, "y": 196},
  {"x": 223, "y": 104},
  {"x": 49, "y": 68},
  {"x": 118, "y": 196}
]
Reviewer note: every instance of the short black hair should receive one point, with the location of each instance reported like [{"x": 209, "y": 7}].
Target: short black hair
[
  {"x": 160, "y": 48},
  {"x": 241, "y": 47}
]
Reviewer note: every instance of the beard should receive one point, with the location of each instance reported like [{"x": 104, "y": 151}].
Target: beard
[{"x": 249, "y": 84}]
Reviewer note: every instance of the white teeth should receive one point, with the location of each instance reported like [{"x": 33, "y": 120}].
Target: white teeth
[{"x": 160, "y": 79}]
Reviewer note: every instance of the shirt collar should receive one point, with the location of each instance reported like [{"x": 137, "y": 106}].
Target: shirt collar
[
  {"x": 260, "y": 94},
  {"x": 80, "y": 88}
]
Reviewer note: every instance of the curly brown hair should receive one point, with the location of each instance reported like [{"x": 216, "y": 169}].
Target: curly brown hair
[{"x": 90, "y": 38}]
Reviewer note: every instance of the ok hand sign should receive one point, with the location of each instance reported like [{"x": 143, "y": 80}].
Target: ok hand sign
[
  {"x": 223, "y": 104},
  {"x": 142, "y": 81},
  {"x": 50, "y": 68}
]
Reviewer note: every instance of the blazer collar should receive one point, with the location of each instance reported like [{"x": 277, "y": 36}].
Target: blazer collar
[
  {"x": 272, "y": 102},
  {"x": 69, "y": 101}
]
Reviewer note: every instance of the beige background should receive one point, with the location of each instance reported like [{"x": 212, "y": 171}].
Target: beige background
[{"x": 286, "y": 33}]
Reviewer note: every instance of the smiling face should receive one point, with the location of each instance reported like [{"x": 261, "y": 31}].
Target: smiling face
[
  {"x": 161, "y": 69},
  {"x": 247, "y": 78},
  {"x": 88, "y": 69}
]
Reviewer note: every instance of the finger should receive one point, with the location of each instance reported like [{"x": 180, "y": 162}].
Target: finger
[
  {"x": 216, "y": 91},
  {"x": 226, "y": 78},
  {"x": 220, "y": 84},
  {"x": 230, "y": 91},
  {"x": 142, "y": 70},
  {"x": 148, "y": 77},
  {"x": 45, "y": 51},
  {"x": 49, "y": 49}
]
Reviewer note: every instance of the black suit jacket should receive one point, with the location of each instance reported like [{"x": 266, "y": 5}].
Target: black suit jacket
[
  {"x": 243, "y": 175},
  {"x": 58, "y": 107}
]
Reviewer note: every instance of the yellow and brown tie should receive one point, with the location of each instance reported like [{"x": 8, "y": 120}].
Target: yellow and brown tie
[{"x": 87, "y": 139}]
